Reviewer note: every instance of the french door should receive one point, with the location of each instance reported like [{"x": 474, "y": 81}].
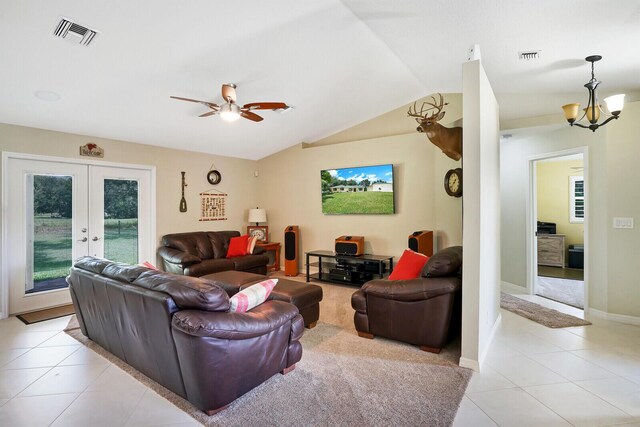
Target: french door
[{"x": 58, "y": 211}]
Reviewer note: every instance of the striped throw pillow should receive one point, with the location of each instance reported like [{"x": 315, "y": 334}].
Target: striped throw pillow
[{"x": 251, "y": 297}]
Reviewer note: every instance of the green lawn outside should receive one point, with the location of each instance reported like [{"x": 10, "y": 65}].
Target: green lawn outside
[
  {"x": 367, "y": 202},
  {"x": 52, "y": 245}
]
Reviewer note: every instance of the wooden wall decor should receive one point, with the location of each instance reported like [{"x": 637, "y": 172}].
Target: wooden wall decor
[
  {"x": 91, "y": 150},
  {"x": 213, "y": 206}
]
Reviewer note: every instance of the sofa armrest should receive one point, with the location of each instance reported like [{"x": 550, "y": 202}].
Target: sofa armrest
[
  {"x": 258, "y": 250},
  {"x": 174, "y": 256},
  {"x": 260, "y": 320},
  {"x": 412, "y": 289}
]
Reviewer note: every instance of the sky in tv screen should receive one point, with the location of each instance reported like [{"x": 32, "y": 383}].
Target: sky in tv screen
[{"x": 359, "y": 190}]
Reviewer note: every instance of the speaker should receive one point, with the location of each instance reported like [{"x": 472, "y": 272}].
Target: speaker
[
  {"x": 291, "y": 250},
  {"x": 422, "y": 242},
  {"x": 350, "y": 245}
]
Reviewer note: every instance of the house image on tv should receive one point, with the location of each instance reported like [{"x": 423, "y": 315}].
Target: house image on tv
[
  {"x": 348, "y": 188},
  {"x": 383, "y": 187}
]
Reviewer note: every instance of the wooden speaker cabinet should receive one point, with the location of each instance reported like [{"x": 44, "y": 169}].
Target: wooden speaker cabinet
[
  {"x": 350, "y": 245},
  {"x": 291, "y": 238},
  {"x": 422, "y": 242}
]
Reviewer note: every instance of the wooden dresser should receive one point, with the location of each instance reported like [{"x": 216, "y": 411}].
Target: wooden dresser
[{"x": 551, "y": 250}]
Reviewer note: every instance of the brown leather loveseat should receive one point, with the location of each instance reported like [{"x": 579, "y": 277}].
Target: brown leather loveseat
[
  {"x": 418, "y": 311},
  {"x": 199, "y": 253},
  {"x": 178, "y": 330}
]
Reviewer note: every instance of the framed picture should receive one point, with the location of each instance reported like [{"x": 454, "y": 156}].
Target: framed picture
[{"x": 262, "y": 231}]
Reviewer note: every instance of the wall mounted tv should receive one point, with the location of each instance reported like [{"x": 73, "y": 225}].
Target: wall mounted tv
[{"x": 358, "y": 190}]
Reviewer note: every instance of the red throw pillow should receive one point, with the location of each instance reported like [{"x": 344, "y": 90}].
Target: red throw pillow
[
  {"x": 409, "y": 265},
  {"x": 237, "y": 246}
]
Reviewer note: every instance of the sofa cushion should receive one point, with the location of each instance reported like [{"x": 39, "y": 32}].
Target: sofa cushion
[
  {"x": 220, "y": 242},
  {"x": 92, "y": 264},
  {"x": 251, "y": 244},
  {"x": 237, "y": 246},
  {"x": 409, "y": 265},
  {"x": 187, "y": 292},
  {"x": 209, "y": 266},
  {"x": 194, "y": 243},
  {"x": 252, "y": 296},
  {"x": 447, "y": 262},
  {"x": 123, "y": 272}
]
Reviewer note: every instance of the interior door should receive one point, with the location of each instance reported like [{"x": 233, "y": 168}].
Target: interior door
[{"x": 46, "y": 220}]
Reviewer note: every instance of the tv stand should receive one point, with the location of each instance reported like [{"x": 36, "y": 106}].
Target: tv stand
[{"x": 347, "y": 269}]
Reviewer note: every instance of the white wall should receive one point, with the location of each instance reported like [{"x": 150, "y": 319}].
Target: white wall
[
  {"x": 481, "y": 218},
  {"x": 289, "y": 189}
]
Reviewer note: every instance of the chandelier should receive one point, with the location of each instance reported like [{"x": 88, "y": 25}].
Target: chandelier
[{"x": 614, "y": 103}]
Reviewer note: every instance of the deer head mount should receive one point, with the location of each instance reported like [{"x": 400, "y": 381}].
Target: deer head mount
[{"x": 449, "y": 140}]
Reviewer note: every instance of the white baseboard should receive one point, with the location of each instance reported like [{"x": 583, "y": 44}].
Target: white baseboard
[
  {"x": 476, "y": 365},
  {"x": 622, "y": 318},
  {"x": 511, "y": 288}
]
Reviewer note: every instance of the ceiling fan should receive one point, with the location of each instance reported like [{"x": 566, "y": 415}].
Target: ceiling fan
[{"x": 230, "y": 111}]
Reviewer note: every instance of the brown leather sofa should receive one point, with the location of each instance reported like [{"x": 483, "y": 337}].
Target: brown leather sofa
[
  {"x": 420, "y": 311},
  {"x": 199, "y": 253},
  {"x": 178, "y": 330}
]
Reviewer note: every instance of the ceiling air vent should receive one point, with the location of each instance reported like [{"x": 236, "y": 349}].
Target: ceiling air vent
[
  {"x": 529, "y": 55},
  {"x": 74, "y": 33}
]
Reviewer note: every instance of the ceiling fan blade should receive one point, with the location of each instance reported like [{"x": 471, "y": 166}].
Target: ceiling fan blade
[
  {"x": 210, "y": 113},
  {"x": 264, "y": 106},
  {"x": 251, "y": 116},
  {"x": 229, "y": 92},
  {"x": 208, "y": 104}
]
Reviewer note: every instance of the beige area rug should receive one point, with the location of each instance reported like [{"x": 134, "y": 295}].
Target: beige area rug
[
  {"x": 342, "y": 380},
  {"x": 543, "y": 315}
]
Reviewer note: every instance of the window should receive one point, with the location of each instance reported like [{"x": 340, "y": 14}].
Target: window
[{"x": 576, "y": 195}]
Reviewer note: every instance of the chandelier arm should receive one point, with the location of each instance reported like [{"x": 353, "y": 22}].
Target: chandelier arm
[
  {"x": 608, "y": 120},
  {"x": 579, "y": 125}
]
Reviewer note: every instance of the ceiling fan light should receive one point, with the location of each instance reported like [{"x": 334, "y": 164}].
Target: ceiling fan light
[
  {"x": 229, "y": 112},
  {"x": 615, "y": 103},
  {"x": 571, "y": 111}
]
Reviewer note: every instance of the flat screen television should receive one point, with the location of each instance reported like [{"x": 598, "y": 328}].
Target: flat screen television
[{"x": 358, "y": 190}]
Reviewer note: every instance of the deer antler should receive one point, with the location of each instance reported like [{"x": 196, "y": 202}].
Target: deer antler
[{"x": 423, "y": 113}]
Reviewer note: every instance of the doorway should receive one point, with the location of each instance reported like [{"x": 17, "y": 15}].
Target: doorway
[
  {"x": 559, "y": 224},
  {"x": 58, "y": 210}
]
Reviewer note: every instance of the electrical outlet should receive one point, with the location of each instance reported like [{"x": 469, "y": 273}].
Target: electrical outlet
[{"x": 622, "y": 222}]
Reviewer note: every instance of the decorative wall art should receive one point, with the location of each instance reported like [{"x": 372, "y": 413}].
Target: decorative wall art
[
  {"x": 183, "y": 201},
  {"x": 449, "y": 140},
  {"x": 91, "y": 150},
  {"x": 213, "y": 206}
]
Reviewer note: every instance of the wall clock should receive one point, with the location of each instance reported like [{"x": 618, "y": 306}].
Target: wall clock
[
  {"x": 453, "y": 182},
  {"x": 214, "y": 177}
]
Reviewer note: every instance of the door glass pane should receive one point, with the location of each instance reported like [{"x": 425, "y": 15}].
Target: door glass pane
[
  {"x": 50, "y": 231},
  {"x": 121, "y": 220}
]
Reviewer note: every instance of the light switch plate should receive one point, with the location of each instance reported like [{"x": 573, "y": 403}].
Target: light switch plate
[{"x": 622, "y": 222}]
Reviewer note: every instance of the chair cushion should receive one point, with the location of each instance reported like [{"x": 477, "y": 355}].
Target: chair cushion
[
  {"x": 252, "y": 296},
  {"x": 447, "y": 262},
  {"x": 409, "y": 265},
  {"x": 238, "y": 246}
]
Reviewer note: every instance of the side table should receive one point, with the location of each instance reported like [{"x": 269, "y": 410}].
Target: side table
[{"x": 275, "y": 248}]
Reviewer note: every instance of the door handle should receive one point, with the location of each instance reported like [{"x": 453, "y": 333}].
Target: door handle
[
  {"x": 96, "y": 238},
  {"x": 84, "y": 239}
]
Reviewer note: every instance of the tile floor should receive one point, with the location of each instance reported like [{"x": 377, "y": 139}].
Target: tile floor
[
  {"x": 49, "y": 379},
  {"x": 537, "y": 376},
  {"x": 534, "y": 376}
]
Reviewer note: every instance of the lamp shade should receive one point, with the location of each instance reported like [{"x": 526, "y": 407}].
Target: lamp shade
[
  {"x": 594, "y": 116},
  {"x": 257, "y": 215},
  {"x": 615, "y": 103},
  {"x": 571, "y": 111}
]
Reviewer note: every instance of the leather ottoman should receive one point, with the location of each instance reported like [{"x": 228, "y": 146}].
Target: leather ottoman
[{"x": 305, "y": 296}]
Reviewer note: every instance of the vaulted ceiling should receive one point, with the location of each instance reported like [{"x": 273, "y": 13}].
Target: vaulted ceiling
[{"x": 338, "y": 63}]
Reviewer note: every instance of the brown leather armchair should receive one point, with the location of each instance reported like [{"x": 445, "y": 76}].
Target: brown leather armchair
[{"x": 419, "y": 311}]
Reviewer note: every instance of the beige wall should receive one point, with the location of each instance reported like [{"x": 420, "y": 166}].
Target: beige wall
[
  {"x": 623, "y": 200},
  {"x": 238, "y": 179},
  {"x": 289, "y": 184},
  {"x": 554, "y": 200}
]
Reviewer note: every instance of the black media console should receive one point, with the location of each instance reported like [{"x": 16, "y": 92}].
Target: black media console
[{"x": 345, "y": 269}]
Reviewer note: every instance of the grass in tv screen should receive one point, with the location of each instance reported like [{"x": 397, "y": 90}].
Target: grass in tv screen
[{"x": 360, "y": 190}]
